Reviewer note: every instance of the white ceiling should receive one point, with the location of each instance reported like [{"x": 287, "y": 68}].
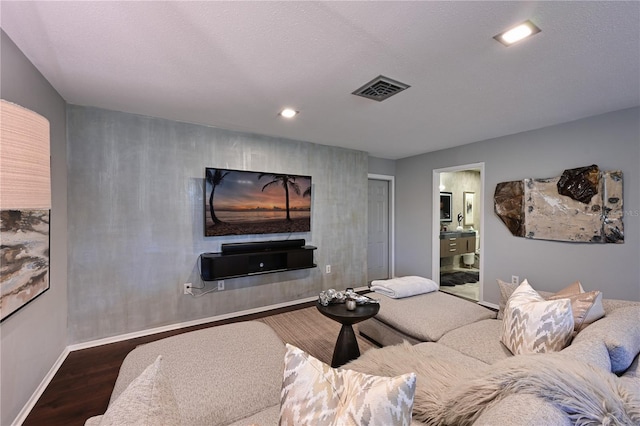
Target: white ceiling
[{"x": 234, "y": 65}]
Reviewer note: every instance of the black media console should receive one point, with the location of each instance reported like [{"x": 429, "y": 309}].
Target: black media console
[{"x": 243, "y": 259}]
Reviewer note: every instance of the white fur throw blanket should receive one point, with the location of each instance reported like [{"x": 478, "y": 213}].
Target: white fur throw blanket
[
  {"x": 397, "y": 288},
  {"x": 447, "y": 395}
]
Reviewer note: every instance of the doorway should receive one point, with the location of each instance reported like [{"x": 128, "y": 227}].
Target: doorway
[
  {"x": 380, "y": 228},
  {"x": 458, "y": 257}
]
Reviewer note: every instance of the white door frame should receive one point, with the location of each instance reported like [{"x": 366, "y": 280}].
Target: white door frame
[
  {"x": 392, "y": 219},
  {"x": 435, "y": 244}
]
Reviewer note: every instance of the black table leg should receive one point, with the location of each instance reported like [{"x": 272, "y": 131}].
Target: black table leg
[{"x": 346, "y": 347}]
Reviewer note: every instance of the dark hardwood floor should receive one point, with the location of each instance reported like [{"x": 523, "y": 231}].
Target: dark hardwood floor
[{"x": 82, "y": 386}]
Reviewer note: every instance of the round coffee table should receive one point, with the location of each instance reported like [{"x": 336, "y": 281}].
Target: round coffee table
[{"x": 347, "y": 346}]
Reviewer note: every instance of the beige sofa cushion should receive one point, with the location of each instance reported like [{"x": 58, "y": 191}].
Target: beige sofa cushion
[
  {"x": 268, "y": 416},
  {"x": 404, "y": 358},
  {"x": 611, "y": 305},
  {"x": 480, "y": 340},
  {"x": 620, "y": 332},
  {"x": 523, "y": 410},
  {"x": 591, "y": 351},
  {"x": 427, "y": 317}
]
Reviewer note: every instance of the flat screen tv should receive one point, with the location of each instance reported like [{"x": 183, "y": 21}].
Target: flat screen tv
[{"x": 239, "y": 202}]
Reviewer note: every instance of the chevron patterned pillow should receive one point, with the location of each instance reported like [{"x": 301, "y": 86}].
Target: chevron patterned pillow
[
  {"x": 532, "y": 324},
  {"x": 313, "y": 393}
]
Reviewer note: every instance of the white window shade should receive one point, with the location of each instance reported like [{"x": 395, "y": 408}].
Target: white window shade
[{"x": 25, "y": 182}]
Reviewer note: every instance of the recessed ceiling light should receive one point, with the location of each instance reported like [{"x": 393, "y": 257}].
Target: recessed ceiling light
[
  {"x": 288, "y": 113},
  {"x": 517, "y": 33}
]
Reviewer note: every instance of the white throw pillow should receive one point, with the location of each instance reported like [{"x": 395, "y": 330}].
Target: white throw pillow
[
  {"x": 532, "y": 324},
  {"x": 313, "y": 393},
  {"x": 148, "y": 400}
]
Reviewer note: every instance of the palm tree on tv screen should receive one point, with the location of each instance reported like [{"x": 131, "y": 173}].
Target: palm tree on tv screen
[
  {"x": 285, "y": 181},
  {"x": 215, "y": 178}
]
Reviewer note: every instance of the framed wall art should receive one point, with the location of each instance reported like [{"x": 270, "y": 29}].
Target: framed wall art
[
  {"x": 445, "y": 207},
  {"x": 469, "y": 207},
  {"x": 25, "y": 207}
]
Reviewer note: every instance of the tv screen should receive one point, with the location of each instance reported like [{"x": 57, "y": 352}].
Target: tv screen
[{"x": 241, "y": 202}]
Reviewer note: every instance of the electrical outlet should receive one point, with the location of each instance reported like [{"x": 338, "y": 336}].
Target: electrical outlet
[
  {"x": 327, "y": 269},
  {"x": 515, "y": 279},
  {"x": 187, "y": 288},
  {"x": 221, "y": 285}
]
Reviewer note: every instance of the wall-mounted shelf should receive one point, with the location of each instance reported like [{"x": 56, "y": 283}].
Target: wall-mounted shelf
[{"x": 261, "y": 258}]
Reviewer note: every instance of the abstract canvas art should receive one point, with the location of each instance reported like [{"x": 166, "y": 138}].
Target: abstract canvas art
[
  {"x": 25, "y": 206},
  {"x": 24, "y": 258},
  {"x": 582, "y": 205}
]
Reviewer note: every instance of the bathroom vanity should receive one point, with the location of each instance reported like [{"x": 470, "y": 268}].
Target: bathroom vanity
[{"x": 454, "y": 243}]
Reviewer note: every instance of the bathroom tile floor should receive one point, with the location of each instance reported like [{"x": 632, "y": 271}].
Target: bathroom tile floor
[{"x": 470, "y": 291}]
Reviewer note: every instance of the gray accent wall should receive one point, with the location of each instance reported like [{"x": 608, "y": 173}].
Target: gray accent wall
[
  {"x": 612, "y": 141},
  {"x": 382, "y": 166},
  {"x": 33, "y": 338},
  {"x": 136, "y": 226}
]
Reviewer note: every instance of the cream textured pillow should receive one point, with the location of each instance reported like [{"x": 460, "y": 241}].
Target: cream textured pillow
[
  {"x": 534, "y": 325},
  {"x": 506, "y": 290},
  {"x": 148, "y": 400},
  {"x": 313, "y": 393}
]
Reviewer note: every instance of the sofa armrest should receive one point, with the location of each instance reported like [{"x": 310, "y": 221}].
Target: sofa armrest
[
  {"x": 93, "y": 421},
  {"x": 214, "y": 378}
]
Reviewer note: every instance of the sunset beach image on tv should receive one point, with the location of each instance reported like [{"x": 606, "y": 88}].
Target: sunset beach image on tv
[{"x": 239, "y": 202}]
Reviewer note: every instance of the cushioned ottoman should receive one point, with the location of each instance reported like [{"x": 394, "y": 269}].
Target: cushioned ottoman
[{"x": 422, "y": 318}]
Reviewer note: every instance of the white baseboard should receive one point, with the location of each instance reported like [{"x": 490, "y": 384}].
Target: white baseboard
[
  {"x": 176, "y": 326},
  {"x": 22, "y": 415}
]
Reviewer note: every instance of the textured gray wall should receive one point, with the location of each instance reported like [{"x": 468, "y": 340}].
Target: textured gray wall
[
  {"x": 33, "y": 338},
  {"x": 612, "y": 141},
  {"x": 136, "y": 220}
]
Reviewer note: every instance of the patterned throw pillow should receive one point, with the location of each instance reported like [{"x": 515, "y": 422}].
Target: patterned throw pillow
[
  {"x": 148, "y": 400},
  {"x": 534, "y": 325},
  {"x": 587, "y": 307},
  {"x": 313, "y": 393}
]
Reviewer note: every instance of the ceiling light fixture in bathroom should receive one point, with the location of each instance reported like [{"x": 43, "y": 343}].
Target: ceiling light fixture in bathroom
[{"x": 517, "y": 33}]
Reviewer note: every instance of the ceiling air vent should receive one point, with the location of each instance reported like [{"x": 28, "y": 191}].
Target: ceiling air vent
[{"x": 380, "y": 88}]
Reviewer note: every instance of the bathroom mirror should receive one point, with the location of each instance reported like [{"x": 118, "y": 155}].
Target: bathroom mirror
[{"x": 445, "y": 207}]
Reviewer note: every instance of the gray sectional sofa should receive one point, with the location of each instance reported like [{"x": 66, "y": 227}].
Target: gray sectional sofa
[
  {"x": 470, "y": 344},
  {"x": 216, "y": 381}
]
